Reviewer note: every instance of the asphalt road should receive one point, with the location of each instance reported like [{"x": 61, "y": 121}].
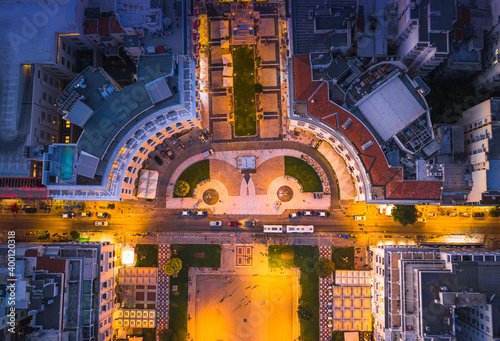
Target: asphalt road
[{"x": 155, "y": 220}]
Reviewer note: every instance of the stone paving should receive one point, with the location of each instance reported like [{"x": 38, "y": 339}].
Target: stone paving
[
  {"x": 339, "y": 166},
  {"x": 163, "y": 289},
  {"x": 268, "y": 77},
  {"x": 325, "y": 299},
  {"x": 238, "y": 196}
]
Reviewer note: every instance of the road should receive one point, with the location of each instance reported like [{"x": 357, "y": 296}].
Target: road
[{"x": 158, "y": 220}]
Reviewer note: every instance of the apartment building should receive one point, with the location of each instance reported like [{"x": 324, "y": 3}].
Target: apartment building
[
  {"x": 429, "y": 293},
  {"x": 482, "y": 142},
  {"x": 64, "y": 290},
  {"x": 422, "y": 40}
]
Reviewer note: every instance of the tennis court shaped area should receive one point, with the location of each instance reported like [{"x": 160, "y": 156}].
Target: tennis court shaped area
[{"x": 246, "y": 308}]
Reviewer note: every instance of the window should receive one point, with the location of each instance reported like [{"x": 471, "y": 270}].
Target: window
[
  {"x": 69, "y": 50},
  {"x": 43, "y": 115},
  {"x": 56, "y": 84},
  {"x": 49, "y": 118},
  {"x": 53, "y": 138},
  {"x": 68, "y": 64},
  {"x": 44, "y": 96},
  {"x": 68, "y": 124},
  {"x": 63, "y": 61},
  {"x": 54, "y": 120},
  {"x": 42, "y": 134},
  {"x": 48, "y": 136},
  {"x": 50, "y": 100},
  {"x": 51, "y": 81},
  {"x": 64, "y": 46},
  {"x": 66, "y": 139},
  {"x": 45, "y": 78}
]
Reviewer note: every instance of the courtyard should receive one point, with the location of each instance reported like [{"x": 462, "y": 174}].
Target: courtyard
[{"x": 245, "y": 307}]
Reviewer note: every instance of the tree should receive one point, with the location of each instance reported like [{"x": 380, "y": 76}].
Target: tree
[
  {"x": 173, "y": 266},
  {"x": 181, "y": 188},
  {"x": 83, "y": 207},
  {"x": 75, "y": 235},
  {"x": 166, "y": 335},
  {"x": 495, "y": 212},
  {"x": 305, "y": 311},
  {"x": 258, "y": 88},
  {"x": 405, "y": 214},
  {"x": 324, "y": 267},
  {"x": 111, "y": 206},
  {"x": 43, "y": 234}
]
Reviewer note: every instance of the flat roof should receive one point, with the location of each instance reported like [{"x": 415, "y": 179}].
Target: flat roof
[
  {"x": 390, "y": 108},
  {"x": 151, "y": 67},
  {"x": 87, "y": 165}
]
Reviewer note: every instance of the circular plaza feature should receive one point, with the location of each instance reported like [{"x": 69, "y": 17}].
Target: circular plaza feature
[
  {"x": 210, "y": 196},
  {"x": 285, "y": 193}
]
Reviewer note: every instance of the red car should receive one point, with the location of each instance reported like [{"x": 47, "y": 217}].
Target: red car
[{"x": 234, "y": 224}]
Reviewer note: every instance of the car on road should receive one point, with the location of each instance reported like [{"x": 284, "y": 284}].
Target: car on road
[
  {"x": 294, "y": 215},
  {"x": 201, "y": 213},
  {"x": 68, "y": 215},
  {"x": 251, "y": 223},
  {"x": 359, "y": 217},
  {"x": 234, "y": 224},
  {"x": 207, "y": 153},
  {"x": 102, "y": 214},
  {"x": 421, "y": 220},
  {"x": 216, "y": 223},
  {"x": 170, "y": 155},
  {"x": 158, "y": 160},
  {"x": 85, "y": 214},
  {"x": 465, "y": 214},
  {"x": 30, "y": 210},
  {"x": 308, "y": 213},
  {"x": 101, "y": 223},
  {"x": 345, "y": 236},
  {"x": 478, "y": 215},
  {"x": 186, "y": 213},
  {"x": 68, "y": 207},
  {"x": 452, "y": 214},
  {"x": 323, "y": 214}
]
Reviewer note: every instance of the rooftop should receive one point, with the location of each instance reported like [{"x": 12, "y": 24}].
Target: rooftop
[{"x": 315, "y": 95}]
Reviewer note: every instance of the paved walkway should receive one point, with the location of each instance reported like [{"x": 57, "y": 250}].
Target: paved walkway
[
  {"x": 339, "y": 166},
  {"x": 248, "y": 202},
  {"x": 163, "y": 289},
  {"x": 325, "y": 291}
]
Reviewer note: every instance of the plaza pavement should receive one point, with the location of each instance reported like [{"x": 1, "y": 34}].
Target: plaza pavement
[{"x": 248, "y": 202}]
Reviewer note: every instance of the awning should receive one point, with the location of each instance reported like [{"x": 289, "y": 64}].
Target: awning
[
  {"x": 227, "y": 58},
  {"x": 228, "y": 71},
  {"x": 228, "y": 82}
]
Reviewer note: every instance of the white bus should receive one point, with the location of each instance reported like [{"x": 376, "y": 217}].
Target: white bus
[
  {"x": 299, "y": 229},
  {"x": 273, "y": 229}
]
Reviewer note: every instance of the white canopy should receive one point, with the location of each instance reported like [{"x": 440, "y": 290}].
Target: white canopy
[
  {"x": 224, "y": 43},
  {"x": 228, "y": 71},
  {"x": 204, "y": 69},
  {"x": 224, "y": 28},
  {"x": 148, "y": 182},
  {"x": 227, "y": 58},
  {"x": 228, "y": 82}
]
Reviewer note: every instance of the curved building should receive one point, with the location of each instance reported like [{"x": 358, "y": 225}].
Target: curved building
[
  {"x": 379, "y": 124},
  {"x": 120, "y": 127}
]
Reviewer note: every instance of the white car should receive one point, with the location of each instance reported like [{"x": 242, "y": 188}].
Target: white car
[
  {"x": 308, "y": 213},
  {"x": 323, "y": 214},
  {"x": 359, "y": 217},
  {"x": 216, "y": 223},
  {"x": 101, "y": 223}
]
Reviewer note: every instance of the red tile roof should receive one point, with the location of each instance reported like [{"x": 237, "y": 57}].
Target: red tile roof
[
  {"x": 52, "y": 265},
  {"x": 31, "y": 253},
  {"x": 382, "y": 174},
  {"x": 114, "y": 25},
  {"x": 90, "y": 26},
  {"x": 103, "y": 26},
  {"x": 160, "y": 49}
]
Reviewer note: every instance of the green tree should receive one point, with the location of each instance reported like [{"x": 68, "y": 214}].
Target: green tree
[
  {"x": 495, "y": 212},
  {"x": 305, "y": 311},
  {"x": 258, "y": 88},
  {"x": 181, "y": 188},
  {"x": 75, "y": 235},
  {"x": 83, "y": 207},
  {"x": 111, "y": 206},
  {"x": 173, "y": 266},
  {"x": 42, "y": 234},
  {"x": 405, "y": 214},
  {"x": 166, "y": 335},
  {"x": 324, "y": 267}
]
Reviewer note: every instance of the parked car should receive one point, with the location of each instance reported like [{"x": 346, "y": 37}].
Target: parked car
[
  {"x": 170, "y": 155},
  {"x": 101, "y": 223},
  {"x": 68, "y": 215},
  {"x": 102, "y": 214},
  {"x": 158, "y": 160},
  {"x": 452, "y": 214},
  {"x": 30, "y": 210},
  {"x": 234, "y": 224},
  {"x": 207, "y": 153},
  {"x": 163, "y": 153},
  {"x": 478, "y": 214},
  {"x": 216, "y": 223},
  {"x": 308, "y": 213},
  {"x": 44, "y": 209},
  {"x": 359, "y": 217},
  {"x": 421, "y": 220},
  {"x": 251, "y": 223},
  {"x": 345, "y": 236},
  {"x": 186, "y": 213},
  {"x": 465, "y": 214},
  {"x": 323, "y": 214},
  {"x": 13, "y": 208},
  {"x": 294, "y": 215},
  {"x": 201, "y": 213},
  {"x": 85, "y": 214}
]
